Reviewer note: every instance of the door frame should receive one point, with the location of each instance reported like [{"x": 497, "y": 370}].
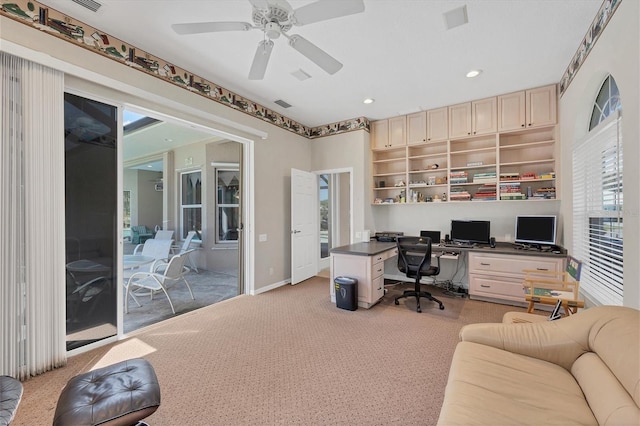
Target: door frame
[{"x": 324, "y": 263}]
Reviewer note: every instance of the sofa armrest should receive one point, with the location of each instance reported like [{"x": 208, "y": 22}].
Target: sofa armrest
[{"x": 552, "y": 341}]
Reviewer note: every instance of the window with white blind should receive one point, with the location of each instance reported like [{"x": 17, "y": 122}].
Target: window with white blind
[{"x": 598, "y": 200}]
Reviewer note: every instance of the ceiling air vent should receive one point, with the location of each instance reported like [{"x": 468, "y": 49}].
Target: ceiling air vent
[
  {"x": 89, "y": 4},
  {"x": 282, "y": 103},
  {"x": 456, "y": 17}
]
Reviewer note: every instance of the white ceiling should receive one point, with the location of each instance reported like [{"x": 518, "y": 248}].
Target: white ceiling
[
  {"x": 154, "y": 140},
  {"x": 397, "y": 51}
]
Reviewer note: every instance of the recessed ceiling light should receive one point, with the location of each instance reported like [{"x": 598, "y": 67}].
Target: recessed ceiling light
[
  {"x": 474, "y": 73},
  {"x": 368, "y": 101}
]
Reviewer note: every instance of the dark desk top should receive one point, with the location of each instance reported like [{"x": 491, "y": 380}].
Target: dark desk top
[
  {"x": 375, "y": 247},
  {"x": 371, "y": 248}
]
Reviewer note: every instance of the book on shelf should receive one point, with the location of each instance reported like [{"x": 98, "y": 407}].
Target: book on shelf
[
  {"x": 486, "y": 192},
  {"x": 458, "y": 177},
  {"x": 509, "y": 176},
  {"x": 488, "y": 177},
  {"x": 513, "y": 196}
]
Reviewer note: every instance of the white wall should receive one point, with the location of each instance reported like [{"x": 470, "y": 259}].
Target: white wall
[
  {"x": 148, "y": 200},
  {"x": 617, "y": 52},
  {"x": 348, "y": 150}
]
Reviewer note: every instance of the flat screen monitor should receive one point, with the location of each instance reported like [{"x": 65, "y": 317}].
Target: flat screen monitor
[
  {"x": 536, "y": 229},
  {"x": 470, "y": 231}
]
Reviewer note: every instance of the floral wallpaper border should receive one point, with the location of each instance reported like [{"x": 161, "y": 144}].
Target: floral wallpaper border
[
  {"x": 62, "y": 26},
  {"x": 601, "y": 20}
]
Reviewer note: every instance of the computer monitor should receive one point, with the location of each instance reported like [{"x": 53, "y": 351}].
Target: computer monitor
[
  {"x": 470, "y": 231},
  {"x": 537, "y": 230},
  {"x": 434, "y": 235}
]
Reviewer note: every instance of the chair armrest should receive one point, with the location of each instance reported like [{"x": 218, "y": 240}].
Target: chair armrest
[
  {"x": 138, "y": 248},
  {"x": 557, "y": 341}
]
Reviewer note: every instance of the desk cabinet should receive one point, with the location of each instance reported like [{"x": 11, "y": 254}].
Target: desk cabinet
[
  {"x": 498, "y": 278},
  {"x": 368, "y": 270}
]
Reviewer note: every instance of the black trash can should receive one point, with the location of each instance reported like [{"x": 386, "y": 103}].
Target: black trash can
[{"x": 346, "y": 293}]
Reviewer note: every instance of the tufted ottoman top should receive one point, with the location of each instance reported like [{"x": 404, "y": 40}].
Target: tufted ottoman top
[
  {"x": 10, "y": 396},
  {"x": 119, "y": 394}
]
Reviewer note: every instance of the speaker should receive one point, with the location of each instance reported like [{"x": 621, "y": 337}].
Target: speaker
[
  {"x": 446, "y": 238},
  {"x": 492, "y": 242}
]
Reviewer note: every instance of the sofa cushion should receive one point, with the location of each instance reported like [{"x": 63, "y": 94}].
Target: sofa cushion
[
  {"x": 611, "y": 407},
  {"x": 490, "y": 386}
]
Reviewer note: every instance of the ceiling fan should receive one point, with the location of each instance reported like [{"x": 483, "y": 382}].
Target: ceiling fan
[{"x": 274, "y": 18}]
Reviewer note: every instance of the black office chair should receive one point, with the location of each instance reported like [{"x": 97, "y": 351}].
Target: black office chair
[{"x": 414, "y": 259}]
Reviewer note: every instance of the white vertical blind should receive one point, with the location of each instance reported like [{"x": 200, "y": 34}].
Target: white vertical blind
[
  {"x": 598, "y": 212},
  {"x": 32, "y": 275}
]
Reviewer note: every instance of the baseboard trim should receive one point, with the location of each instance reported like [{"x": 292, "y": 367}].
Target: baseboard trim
[{"x": 270, "y": 287}]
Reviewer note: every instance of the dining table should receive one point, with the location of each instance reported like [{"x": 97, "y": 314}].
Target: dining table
[{"x": 133, "y": 261}]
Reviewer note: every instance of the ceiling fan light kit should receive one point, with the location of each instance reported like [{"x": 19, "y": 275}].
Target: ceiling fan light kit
[{"x": 274, "y": 18}]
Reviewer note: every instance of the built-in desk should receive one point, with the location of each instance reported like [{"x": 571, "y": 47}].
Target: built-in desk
[
  {"x": 495, "y": 274},
  {"x": 365, "y": 263}
]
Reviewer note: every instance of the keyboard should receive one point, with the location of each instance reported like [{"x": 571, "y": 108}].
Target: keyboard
[{"x": 459, "y": 245}]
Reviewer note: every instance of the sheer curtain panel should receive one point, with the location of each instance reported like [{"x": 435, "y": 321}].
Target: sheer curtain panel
[{"x": 32, "y": 191}]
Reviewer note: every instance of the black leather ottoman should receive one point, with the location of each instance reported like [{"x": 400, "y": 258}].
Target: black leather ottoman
[
  {"x": 119, "y": 394},
  {"x": 10, "y": 396}
]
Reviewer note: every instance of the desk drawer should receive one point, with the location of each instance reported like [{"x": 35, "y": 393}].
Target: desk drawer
[
  {"x": 377, "y": 270},
  {"x": 496, "y": 287},
  {"x": 511, "y": 264},
  {"x": 381, "y": 257}
]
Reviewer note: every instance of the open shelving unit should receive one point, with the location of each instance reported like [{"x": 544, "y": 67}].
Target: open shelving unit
[{"x": 501, "y": 167}]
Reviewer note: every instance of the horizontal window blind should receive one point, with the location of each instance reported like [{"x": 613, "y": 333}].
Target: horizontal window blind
[{"x": 598, "y": 212}]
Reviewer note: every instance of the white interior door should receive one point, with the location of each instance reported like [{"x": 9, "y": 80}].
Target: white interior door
[{"x": 304, "y": 225}]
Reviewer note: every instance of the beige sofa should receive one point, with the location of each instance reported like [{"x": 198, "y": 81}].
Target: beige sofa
[{"x": 583, "y": 369}]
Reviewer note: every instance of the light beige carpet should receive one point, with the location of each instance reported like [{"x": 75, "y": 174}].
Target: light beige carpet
[{"x": 288, "y": 357}]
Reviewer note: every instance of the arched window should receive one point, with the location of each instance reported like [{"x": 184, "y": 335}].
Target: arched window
[
  {"x": 597, "y": 200},
  {"x": 607, "y": 101}
]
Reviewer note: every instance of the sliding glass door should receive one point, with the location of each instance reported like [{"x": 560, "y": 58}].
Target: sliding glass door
[{"x": 91, "y": 219}]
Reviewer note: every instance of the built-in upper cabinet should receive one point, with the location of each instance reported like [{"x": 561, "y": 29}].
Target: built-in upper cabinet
[
  {"x": 484, "y": 116},
  {"x": 389, "y": 133},
  {"x": 438, "y": 125},
  {"x": 527, "y": 109},
  {"x": 541, "y": 106},
  {"x": 473, "y": 118},
  {"x": 397, "y": 131},
  {"x": 380, "y": 134},
  {"x": 417, "y": 128},
  {"x": 460, "y": 120}
]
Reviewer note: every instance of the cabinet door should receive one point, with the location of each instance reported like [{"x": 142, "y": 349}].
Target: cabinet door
[
  {"x": 460, "y": 120},
  {"x": 380, "y": 134},
  {"x": 397, "y": 131},
  {"x": 483, "y": 116},
  {"x": 437, "y": 125},
  {"x": 541, "y": 106},
  {"x": 417, "y": 128},
  {"x": 511, "y": 115}
]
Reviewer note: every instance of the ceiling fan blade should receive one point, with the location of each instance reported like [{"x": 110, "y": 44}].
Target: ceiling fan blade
[
  {"x": 315, "y": 54},
  {"x": 259, "y": 4},
  {"x": 210, "y": 27},
  {"x": 260, "y": 60},
  {"x": 323, "y": 10}
]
